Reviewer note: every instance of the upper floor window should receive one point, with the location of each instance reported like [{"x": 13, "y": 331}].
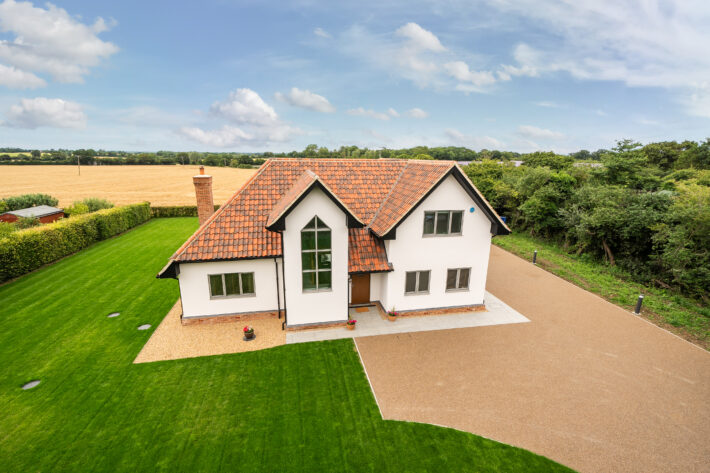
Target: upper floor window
[
  {"x": 457, "y": 279},
  {"x": 443, "y": 222},
  {"x": 416, "y": 282},
  {"x": 316, "y": 256},
  {"x": 231, "y": 284}
]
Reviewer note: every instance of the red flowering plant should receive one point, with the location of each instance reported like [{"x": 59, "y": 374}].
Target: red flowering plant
[
  {"x": 351, "y": 322},
  {"x": 248, "y": 329},
  {"x": 392, "y": 313}
]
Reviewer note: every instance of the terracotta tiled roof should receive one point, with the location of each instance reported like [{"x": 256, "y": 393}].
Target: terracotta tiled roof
[
  {"x": 367, "y": 252},
  {"x": 415, "y": 181},
  {"x": 379, "y": 193},
  {"x": 301, "y": 185}
]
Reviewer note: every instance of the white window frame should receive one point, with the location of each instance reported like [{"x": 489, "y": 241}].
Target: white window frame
[
  {"x": 416, "y": 283},
  {"x": 315, "y": 251},
  {"x": 436, "y": 213},
  {"x": 224, "y": 286},
  {"x": 458, "y": 279}
]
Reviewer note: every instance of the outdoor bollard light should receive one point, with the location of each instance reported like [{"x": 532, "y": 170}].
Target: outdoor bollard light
[
  {"x": 535, "y": 257},
  {"x": 637, "y": 311}
]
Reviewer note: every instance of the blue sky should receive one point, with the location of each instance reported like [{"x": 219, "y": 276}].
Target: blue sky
[{"x": 254, "y": 76}]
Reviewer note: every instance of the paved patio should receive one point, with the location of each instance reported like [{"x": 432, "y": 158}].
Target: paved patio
[
  {"x": 585, "y": 383},
  {"x": 371, "y": 323}
]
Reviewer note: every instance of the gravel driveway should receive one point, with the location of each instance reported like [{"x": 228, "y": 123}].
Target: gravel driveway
[{"x": 584, "y": 383}]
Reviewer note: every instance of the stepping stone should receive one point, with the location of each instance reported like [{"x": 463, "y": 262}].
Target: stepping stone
[
  {"x": 31, "y": 384},
  {"x": 144, "y": 327},
  {"x": 113, "y": 314}
]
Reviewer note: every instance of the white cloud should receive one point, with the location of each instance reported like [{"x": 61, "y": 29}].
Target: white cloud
[
  {"x": 548, "y": 104},
  {"x": 420, "y": 38},
  {"x": 223, "y": 137},
  {"x": 392, "y": 112},
  {"x": 41, "y": 111},
  {"x": 16, "y": 79},
  {"x": 50, "y": 41},
  {"x": 417, "y": 113},
  {"x": 470, "y": 141},
  {"x": 244, "y": 106},
  {"x": 230, "y": 136},
  {"x": 261, "y": 124},
  {"x": 361, "y": 112},
  {"x": 642, "y": 43},
  {"x": 534, "y": 132},
  {"x": 460, "y": 71},
  {"x": 410, "y": 52},
  {"x": 698, "y": 102},
  {"x": 306, "y": 99},
  {"x": 321, "y": 32}
]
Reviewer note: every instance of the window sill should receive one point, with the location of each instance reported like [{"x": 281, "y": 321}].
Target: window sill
[
  {"x": 316, "y": 291},
  {"x": 423, "y": 293},
  {"x": 444, "y": 235},
  {"x": 235, "y": 296},
  {"x": 464, "y": 289}
]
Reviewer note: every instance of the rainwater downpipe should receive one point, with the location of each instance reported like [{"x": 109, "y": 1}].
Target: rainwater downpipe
[{"x": 283, "y": 276}]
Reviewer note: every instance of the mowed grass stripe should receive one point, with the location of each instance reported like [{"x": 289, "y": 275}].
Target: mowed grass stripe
[{"x": 305, "y": 407}]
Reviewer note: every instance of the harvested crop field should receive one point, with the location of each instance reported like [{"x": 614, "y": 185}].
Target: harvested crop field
[{"x": 159, "y": 185}]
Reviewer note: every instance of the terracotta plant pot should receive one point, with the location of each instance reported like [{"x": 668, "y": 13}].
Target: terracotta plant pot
[
  {"x": 248, "y": 335},
  {"x": 350, "y": 326},
  {"x": 392, "y": 318}
]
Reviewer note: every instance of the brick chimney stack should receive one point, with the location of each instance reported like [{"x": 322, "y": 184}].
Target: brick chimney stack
[{"x": 203, "y": 192}]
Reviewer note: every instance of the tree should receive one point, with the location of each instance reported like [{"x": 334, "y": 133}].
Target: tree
[
  {"x": 310, "y": 150},
  {"x": 36, "y": 154},
  {"x": 696, "y": 156},
  {"x": 682, "y": 241},
  {"x": 547, "y": 159}
]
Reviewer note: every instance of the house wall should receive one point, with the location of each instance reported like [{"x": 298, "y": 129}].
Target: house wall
[
  {"x": 324, "y": 306},
  {"x": 377, "y": 288},
  {"x": 411, "y": 251},
  {"x": 195, "y": 289}
]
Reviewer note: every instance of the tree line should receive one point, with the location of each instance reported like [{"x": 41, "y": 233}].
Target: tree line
[{"x": 645, "y": 209}]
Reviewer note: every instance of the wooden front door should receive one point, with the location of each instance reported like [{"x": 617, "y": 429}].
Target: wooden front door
[{"x": 360, "y": 289}]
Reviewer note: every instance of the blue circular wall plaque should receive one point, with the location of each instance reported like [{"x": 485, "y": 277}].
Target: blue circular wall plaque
[{"x": 472, "y": 209}]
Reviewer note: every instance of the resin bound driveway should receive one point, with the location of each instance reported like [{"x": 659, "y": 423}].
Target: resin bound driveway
[{"x": 585, "y": 383}]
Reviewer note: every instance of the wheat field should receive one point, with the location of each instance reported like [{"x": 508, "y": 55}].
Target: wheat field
[{"x": 159, "y": 185}]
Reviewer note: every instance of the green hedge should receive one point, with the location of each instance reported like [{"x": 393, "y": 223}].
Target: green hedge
[
  {"x": 175, "y": 211},
  {"x": 26, "y": 250}
]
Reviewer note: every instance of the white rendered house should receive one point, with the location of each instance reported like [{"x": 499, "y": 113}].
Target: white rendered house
[{"x": 305, "y": 239}]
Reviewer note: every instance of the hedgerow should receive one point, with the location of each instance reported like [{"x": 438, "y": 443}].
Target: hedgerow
[
  {"x": 26, "y": 250},
  {"x": 175, "y": 211}
]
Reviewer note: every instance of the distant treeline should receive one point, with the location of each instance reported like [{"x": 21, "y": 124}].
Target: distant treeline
[{"x": 683, "y": 152}]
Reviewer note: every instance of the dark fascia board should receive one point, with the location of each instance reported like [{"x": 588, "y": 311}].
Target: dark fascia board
[
  {"x": 371, "y": 272},
  {"x": 496, "y": 227},
  {"x": 172, "y": 269},
  {"x": 280, "y": 224}
]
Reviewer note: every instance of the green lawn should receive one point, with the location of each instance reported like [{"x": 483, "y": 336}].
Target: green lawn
[
  {"x": 671, "y": 310},
  {"x": 302, "y": 407}
]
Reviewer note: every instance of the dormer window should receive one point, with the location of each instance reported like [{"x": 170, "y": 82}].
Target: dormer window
[
  {"x": 316, "y": 256},
  {"x": 443, "y": 222}
]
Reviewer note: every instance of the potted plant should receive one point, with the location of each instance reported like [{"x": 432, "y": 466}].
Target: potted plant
[
  {"x": 248, "y": 333},
  {"x": 392, "y": 315},
  {"x": 350, "y": 324}
]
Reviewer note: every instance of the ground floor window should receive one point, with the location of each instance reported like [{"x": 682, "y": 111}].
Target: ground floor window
[
  {"x": 457, "y": 279},
  {"x": 416, "y": 282},
  {"x": 231, "y": 284}
]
